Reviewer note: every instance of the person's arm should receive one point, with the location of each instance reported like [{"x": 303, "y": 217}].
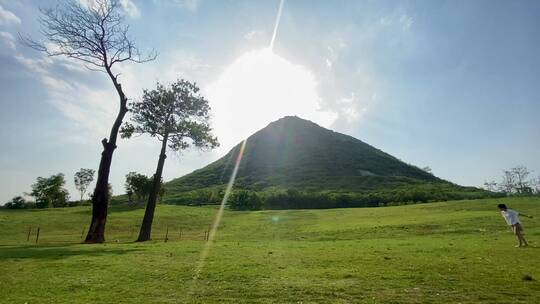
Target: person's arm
[{"x": 529, "y": 216}]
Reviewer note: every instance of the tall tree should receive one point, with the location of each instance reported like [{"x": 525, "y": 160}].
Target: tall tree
[
  {"x": 50, "y": 191},
  {"x": 82, "y": 180},
  {"x": 178, "y": 116},
  {"x": 95, "y": 34}
]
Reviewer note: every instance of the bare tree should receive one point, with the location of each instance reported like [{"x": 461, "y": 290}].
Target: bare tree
[
  {"x": 490, "y": 186},
  {"x": 507, "y": 185},
  {"x": 516, "y": 181},
  {"x": 96, "y": 35},
  {"x": 521, "y": 175}
]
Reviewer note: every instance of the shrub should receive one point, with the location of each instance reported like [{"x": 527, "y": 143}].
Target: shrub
[{"x": 18, "y": 202}]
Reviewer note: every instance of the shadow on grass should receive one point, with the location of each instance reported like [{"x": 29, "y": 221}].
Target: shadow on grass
[{"x": 56, "y": 252}]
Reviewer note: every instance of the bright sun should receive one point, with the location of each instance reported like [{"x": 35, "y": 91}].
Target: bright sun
[{"x": 260, "y": 87}]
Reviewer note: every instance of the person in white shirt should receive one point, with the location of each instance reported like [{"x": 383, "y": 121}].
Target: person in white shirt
[{"x": 512, "y": 219}]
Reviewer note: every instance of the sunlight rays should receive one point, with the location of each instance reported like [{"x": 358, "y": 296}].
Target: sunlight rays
[
  {"x": 278, "y": 19},
  {"x": 219, "y": 215}
]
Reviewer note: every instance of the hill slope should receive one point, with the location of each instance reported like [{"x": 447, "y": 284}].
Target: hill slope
[{"x": 293, "y": 153}]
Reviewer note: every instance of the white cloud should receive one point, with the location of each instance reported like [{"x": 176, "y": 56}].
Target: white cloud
[
  {"x": 191, "y": 5},
  {"x": 328, "y": 63},
  {"x": 167, "y": 68},
  {"x": 338, "y": 45},
  {"x": 7, "y": 17},
  {"x": 351, "y": 108},
  {"x": 38, "y": 66},
  {"x": 90, "y": 109},
  {"x": 93, "y": 107},
  {"x": 406, "y": 21},
  {"x": 130, "y": 8},
  {"x": 385, "y": 21},
  {"x": 127, "y": 6},
  {"x": 253, "y": 34},
  {"x": 8, "y": 40}
]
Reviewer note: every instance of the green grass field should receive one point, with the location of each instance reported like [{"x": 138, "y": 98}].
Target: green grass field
[{"x": 451, "y": 252}]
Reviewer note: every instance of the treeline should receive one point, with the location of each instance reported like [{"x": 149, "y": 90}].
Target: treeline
[
  {"x": 50, "y": 192},
  {"x": 292, "y": 199},
  {"x": 245, "y": 199}
]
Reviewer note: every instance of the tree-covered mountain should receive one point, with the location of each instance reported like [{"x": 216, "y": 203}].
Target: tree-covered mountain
[{"x": 296, "y": 154}]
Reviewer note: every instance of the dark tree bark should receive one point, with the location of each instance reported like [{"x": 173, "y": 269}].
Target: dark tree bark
[
  {"x": 178, "y": 116},
  {"x": 146, "y": 226},
  {"x": 100, "y": 199}
]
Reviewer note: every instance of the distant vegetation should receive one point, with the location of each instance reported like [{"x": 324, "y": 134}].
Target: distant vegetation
[
  {"x": 82, "y": 179},
  {"x": 515, "y": 181},
  {"x": 243, "y": 199},
  {"x": 50, "y": 191},
  {"x": 137, "y": 186}
]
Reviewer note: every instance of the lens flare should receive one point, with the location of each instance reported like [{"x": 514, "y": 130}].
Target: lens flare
[
  {"x": 219, "y": 215},
  {"x": 278, "y": 19}
]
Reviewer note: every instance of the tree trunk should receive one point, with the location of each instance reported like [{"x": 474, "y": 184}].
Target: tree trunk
[
  {"x": 100, "y": 199},
  {"x": 146, "y": 226}
]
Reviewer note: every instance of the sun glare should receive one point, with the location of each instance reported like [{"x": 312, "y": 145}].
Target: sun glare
[{"x": 260, "y": 87}]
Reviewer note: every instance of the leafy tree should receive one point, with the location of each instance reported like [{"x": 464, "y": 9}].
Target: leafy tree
[
  {"x": 138, "y": 184},
  {"x": 95, "y": 34},
  {"x": 50, "y": 192},
  {"x": 18, "y": 202},
  {"x": 178, "y": 116},
  {"x": 82, "y": 180},
  {"x": 245, "y": 200}
]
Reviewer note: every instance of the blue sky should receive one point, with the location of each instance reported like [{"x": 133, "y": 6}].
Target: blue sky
[{"x": 453, "y": 85}]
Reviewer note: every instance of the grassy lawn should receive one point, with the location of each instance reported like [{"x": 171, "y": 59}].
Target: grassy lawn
[{"x": 451, "y": 252}]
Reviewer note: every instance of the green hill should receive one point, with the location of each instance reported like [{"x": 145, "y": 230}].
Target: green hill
[{"x": 296, "y": 154}]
